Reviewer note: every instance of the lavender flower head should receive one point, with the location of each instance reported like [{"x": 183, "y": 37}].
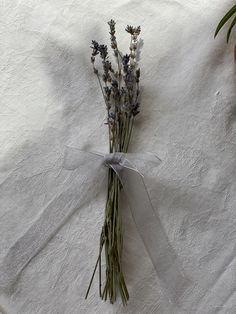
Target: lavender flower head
[{"x": 121, "y": 88}]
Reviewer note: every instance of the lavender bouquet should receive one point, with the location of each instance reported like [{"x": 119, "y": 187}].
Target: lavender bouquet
[
  {"x": 126, "y": 171},
  {"x": 120, "y": 90}
]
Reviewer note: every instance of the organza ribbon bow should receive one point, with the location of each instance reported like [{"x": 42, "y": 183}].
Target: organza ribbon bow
[{"x": 91, "y": 167}]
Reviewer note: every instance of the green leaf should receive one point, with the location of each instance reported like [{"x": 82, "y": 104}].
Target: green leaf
[
  {"x": 230, "y": 28},
  {"x": 227, "y": 16}
]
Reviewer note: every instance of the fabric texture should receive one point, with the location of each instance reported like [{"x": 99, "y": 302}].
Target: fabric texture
[{"x": 50, "y": 99}]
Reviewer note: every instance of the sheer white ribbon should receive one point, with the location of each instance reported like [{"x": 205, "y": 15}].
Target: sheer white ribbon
[{"x": 128, "y": 168}]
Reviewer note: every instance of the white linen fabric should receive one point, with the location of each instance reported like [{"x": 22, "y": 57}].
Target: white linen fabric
[{"x": 50, "y": 98}]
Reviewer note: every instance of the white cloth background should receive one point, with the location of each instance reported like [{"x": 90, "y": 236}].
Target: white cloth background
[{"x": 50, "y": 98}]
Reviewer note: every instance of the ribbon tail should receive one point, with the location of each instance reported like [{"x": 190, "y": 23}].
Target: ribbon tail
[{"x": 153, "y": 234}]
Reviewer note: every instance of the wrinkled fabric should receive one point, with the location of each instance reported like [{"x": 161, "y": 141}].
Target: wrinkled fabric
[{"x": 50, "y": 98}]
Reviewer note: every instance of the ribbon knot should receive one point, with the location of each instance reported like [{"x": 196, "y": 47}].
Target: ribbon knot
[{"x": 114, "y": 159}]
